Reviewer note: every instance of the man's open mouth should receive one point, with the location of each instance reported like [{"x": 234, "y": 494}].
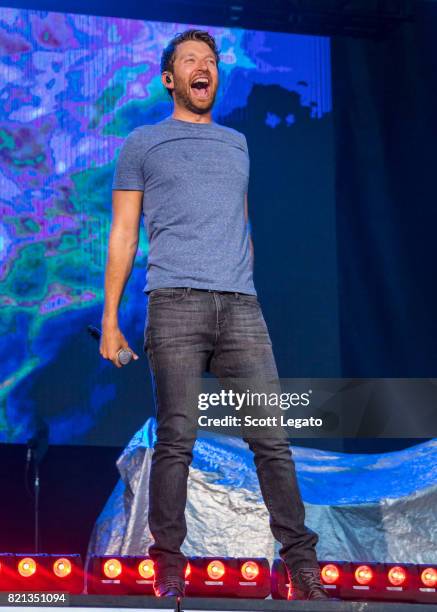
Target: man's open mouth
[{"x": 200, "y": 87}]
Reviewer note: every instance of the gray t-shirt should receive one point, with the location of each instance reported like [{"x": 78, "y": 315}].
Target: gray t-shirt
[{"x": 194, "y": 178}]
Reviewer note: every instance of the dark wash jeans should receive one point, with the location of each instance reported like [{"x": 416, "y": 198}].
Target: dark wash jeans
[{"x": 190, "y": 331}]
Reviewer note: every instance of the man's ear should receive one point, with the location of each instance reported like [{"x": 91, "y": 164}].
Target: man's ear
[{"x": 166, "y": 79}]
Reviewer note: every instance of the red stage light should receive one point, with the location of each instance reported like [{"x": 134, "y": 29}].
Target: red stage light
[
  {"x": 215, "y": 570},
  {"x": 62, "y": 567},
  {"x": 112, "y": 568},
  {"x": 187, "y": 570},
  {"x": 43, "y": 572},
  {"x": 254, "y": 581},
  {"x": 330, "y": 573},
  {"x": 363, "y": 574},
  {"x": 121, "y": 575},
  {"x": 146, "y": 569},
  {"x": 212, "y": 577},
  {"x": 397, "y": 575},
  {"x": 250, "y": 570},
  {"x": 429, "y": 577},
  {"x": 26, "y": 567}
]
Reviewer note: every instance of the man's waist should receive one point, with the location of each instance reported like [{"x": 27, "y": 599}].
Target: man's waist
[{"x": 248, "y": 289}]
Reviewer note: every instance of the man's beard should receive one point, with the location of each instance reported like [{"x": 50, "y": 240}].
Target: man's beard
[{"x": 180, "y": 93}]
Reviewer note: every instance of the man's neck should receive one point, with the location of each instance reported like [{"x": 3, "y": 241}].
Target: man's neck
[{"x": 184, "y": 115}]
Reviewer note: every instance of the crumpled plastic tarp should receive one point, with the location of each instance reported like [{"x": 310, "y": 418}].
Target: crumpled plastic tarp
[{"x": 377, "y": 507}]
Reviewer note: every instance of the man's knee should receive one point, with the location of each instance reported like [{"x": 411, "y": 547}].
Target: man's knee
[
  {"x": 174, "y": 444},
  {"x": 275, "y": 446}
]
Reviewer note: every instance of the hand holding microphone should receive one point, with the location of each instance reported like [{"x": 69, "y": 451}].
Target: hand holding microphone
[{"x": 113, "y": 346}]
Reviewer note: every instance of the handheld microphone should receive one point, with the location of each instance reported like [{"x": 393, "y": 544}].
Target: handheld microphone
[{"x": 124, "y": 356}]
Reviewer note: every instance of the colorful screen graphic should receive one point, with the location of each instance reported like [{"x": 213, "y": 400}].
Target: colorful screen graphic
[{"x": 71, "y": 88}]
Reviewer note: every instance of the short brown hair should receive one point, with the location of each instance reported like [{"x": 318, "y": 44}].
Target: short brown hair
[{"x": 168, "y": 55}]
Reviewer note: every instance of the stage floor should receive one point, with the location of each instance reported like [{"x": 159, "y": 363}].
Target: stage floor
[{"x": 133, "y": 603}]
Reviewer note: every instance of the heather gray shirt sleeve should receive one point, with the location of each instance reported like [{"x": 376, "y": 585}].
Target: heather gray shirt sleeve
[{"x": 129, "y": 167}]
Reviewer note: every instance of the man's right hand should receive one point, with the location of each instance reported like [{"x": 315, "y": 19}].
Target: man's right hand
[{"x": 111, "y": 342}]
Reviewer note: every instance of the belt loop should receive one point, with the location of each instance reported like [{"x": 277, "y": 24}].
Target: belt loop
[{"x": 188, "y": 290}]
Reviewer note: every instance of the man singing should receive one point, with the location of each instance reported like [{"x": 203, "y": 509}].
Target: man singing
[{"x": 189, "y": 177}]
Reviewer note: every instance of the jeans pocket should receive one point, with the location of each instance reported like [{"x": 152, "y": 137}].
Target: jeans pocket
[
  {"x": 251, "y": 300},
  {"x": 171, "y": 294}
]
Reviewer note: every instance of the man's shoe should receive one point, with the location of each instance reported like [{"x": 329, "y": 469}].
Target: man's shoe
[
  {"x": 170, "y": 588},
  {"x": 306, "y": 584},
  {"x": 170, "y": 592}
]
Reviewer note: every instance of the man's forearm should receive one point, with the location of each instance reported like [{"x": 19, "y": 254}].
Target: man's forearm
[{"x": 122, "y": 249}]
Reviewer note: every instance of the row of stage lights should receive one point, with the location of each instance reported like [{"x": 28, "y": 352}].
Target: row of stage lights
[
  {"x": 204, "y": 577},
  {"x": 368, "y": 581},
  {"x": 41, "y": 573},
  {"x": 215, "y": 577}
]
